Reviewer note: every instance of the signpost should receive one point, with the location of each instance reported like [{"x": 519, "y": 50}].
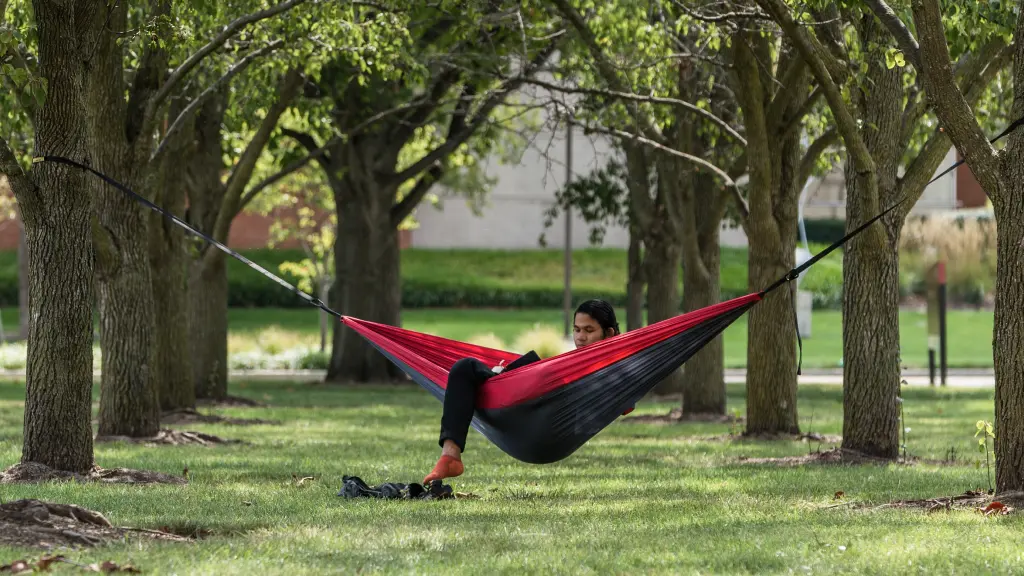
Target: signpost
[{"x": 936, "y": 282}]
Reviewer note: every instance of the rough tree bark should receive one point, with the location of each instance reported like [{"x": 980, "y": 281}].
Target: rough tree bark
[
  {"x": 55, "y": 206},
  {"x": 172, "y": 370},
  {"x": 871, "y": 370},
  {"x": 24, "y": 315},
  {"x": 128, "y": 399}
]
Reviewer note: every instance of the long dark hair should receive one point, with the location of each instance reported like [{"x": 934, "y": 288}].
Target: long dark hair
[{"x": 602, "y": 312}]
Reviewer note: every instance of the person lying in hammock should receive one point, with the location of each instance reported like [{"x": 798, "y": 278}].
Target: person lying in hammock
[{"x": 594, "y": 321}]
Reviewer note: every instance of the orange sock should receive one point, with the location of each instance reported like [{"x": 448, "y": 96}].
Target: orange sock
[{"x": 446, "y": 467}]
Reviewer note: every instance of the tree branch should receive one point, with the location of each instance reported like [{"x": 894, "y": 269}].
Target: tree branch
[
  {"x": 604, "y": 66},
  {"x": 149, "y": 117},
  {"x": 318, "y": 153},
  {"x": 948, "y": 102},
  {"x": 480, "y": 118},
  {"x": 186, "y": 114},
  {"x": 401, "y": 211},
  {"x": 724, "y": 17},
  {"x": 847, "y": 126},
  {"x": 658, "y": 146},
  {"x": 904, "y": 39},
  {"x": 813, "y": 152},
  {"x": 283, "y": 173},
  {"x": 784, "y": 96},
  {"x": 640, "y": 98},
  {"x": 287, "y": 91},
  {"x": 24, "y": 189},
  {"x": 421, "y": 112},
  {"x": 805, "y": 108}
]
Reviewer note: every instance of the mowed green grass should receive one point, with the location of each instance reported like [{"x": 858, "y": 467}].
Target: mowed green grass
[
  {"x": 638, "y": 499},
  {"x": 969, "y": 332}
]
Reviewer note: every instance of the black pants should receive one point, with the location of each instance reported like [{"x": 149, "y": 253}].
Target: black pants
[{"x": 464, "y": 381}]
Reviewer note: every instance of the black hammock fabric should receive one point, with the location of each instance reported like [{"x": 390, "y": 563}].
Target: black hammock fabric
[{"x": 545, "y": 411}]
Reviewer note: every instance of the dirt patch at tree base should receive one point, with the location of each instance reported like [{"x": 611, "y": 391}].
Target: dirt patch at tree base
[
  {"x": 31, "y": 472},
  {"x": 230, "y": 402},
  {"x": 836, "y": 456},
  {"x": 676, "y": 416},
  {"x": 168, "y": 437},
  {"x": 38, "y": 524},
  {"x": 189, "y": 416},
  {"x": 776, "y": 437},
  {"x": 839, "y": 456}
]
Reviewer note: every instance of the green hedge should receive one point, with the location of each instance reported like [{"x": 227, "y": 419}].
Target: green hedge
[
  {"x": 484, "y": 278},
  {"x": 824, "y": 231}
]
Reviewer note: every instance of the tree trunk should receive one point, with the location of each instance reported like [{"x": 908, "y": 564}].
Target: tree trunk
[
  {"x": 128, "y": 400},
  {"x": 208, "y": 326},
  {"x": 172, "y": 370},
  {"x": 771, "y": 226},
  {"x": 57, "y": 423},
  {"x": 24, "y": 317},
  {"x": 771, "y": 348},
  {"x": 704, "y": 373},
  {"x": 635, "y": 284},
  {"x": 207, "y": 268},
  {"x": 661, "y": 263},
  {"x": 871, "y": 330},
  {"x": 368, "y": 284},
  {"x": 1008, "y": 349}
]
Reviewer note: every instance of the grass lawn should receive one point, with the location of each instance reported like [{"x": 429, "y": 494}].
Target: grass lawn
[
  {"x": 639, "y": 498},
  {"x": 969, "y": 332}
]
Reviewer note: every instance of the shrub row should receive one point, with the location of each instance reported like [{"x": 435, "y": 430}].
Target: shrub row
[{"x": 520, "y": 279}]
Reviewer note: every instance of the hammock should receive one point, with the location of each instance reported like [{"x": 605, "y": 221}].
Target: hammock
[{"x": 544, "y": 411}]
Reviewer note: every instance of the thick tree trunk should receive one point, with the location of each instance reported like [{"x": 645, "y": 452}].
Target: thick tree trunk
[
  {"x": 57, "y": 429},
  {"x": 207, "y": 269},
  {"x": 871, "y": 331},
  {"x": 635, "y": 284},
  {"x": 771, "y": 348},
  {"x": 661, "y": 267},
  {"x": 368, "y": 284},
  {"x": 208, "y": 326},
  {"x": 704, "y": 373},
  {"x": 24, "y": 317},
  {"x": 172, "y": 370},
  {"x": 1008, "y": 349},
  {"x": 128, "y": 398},
  {"x": 871, "y": 371}
]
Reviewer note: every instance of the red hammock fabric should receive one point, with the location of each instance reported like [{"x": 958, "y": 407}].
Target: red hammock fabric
[{"x": 433, "y": 356}]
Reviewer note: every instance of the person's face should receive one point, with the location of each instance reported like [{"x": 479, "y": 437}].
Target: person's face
[{"x": 586, "y": 330}]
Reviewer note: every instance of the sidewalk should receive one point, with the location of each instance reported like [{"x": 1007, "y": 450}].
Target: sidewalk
[{"x": 958, "y": 378}]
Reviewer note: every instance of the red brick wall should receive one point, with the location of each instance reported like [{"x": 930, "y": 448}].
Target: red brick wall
[{"x": 968, "y": 191}]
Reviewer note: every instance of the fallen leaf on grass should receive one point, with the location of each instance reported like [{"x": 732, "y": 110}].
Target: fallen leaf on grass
[
  {"x": 466, "y": 495},
  {"x": 995, "y": 508},
  {"x": 839, "y": 495},
  {"x": 22, "y": 566},
  {"x": 45, "y": 561},
  {"x": 16, "y": 567}
]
